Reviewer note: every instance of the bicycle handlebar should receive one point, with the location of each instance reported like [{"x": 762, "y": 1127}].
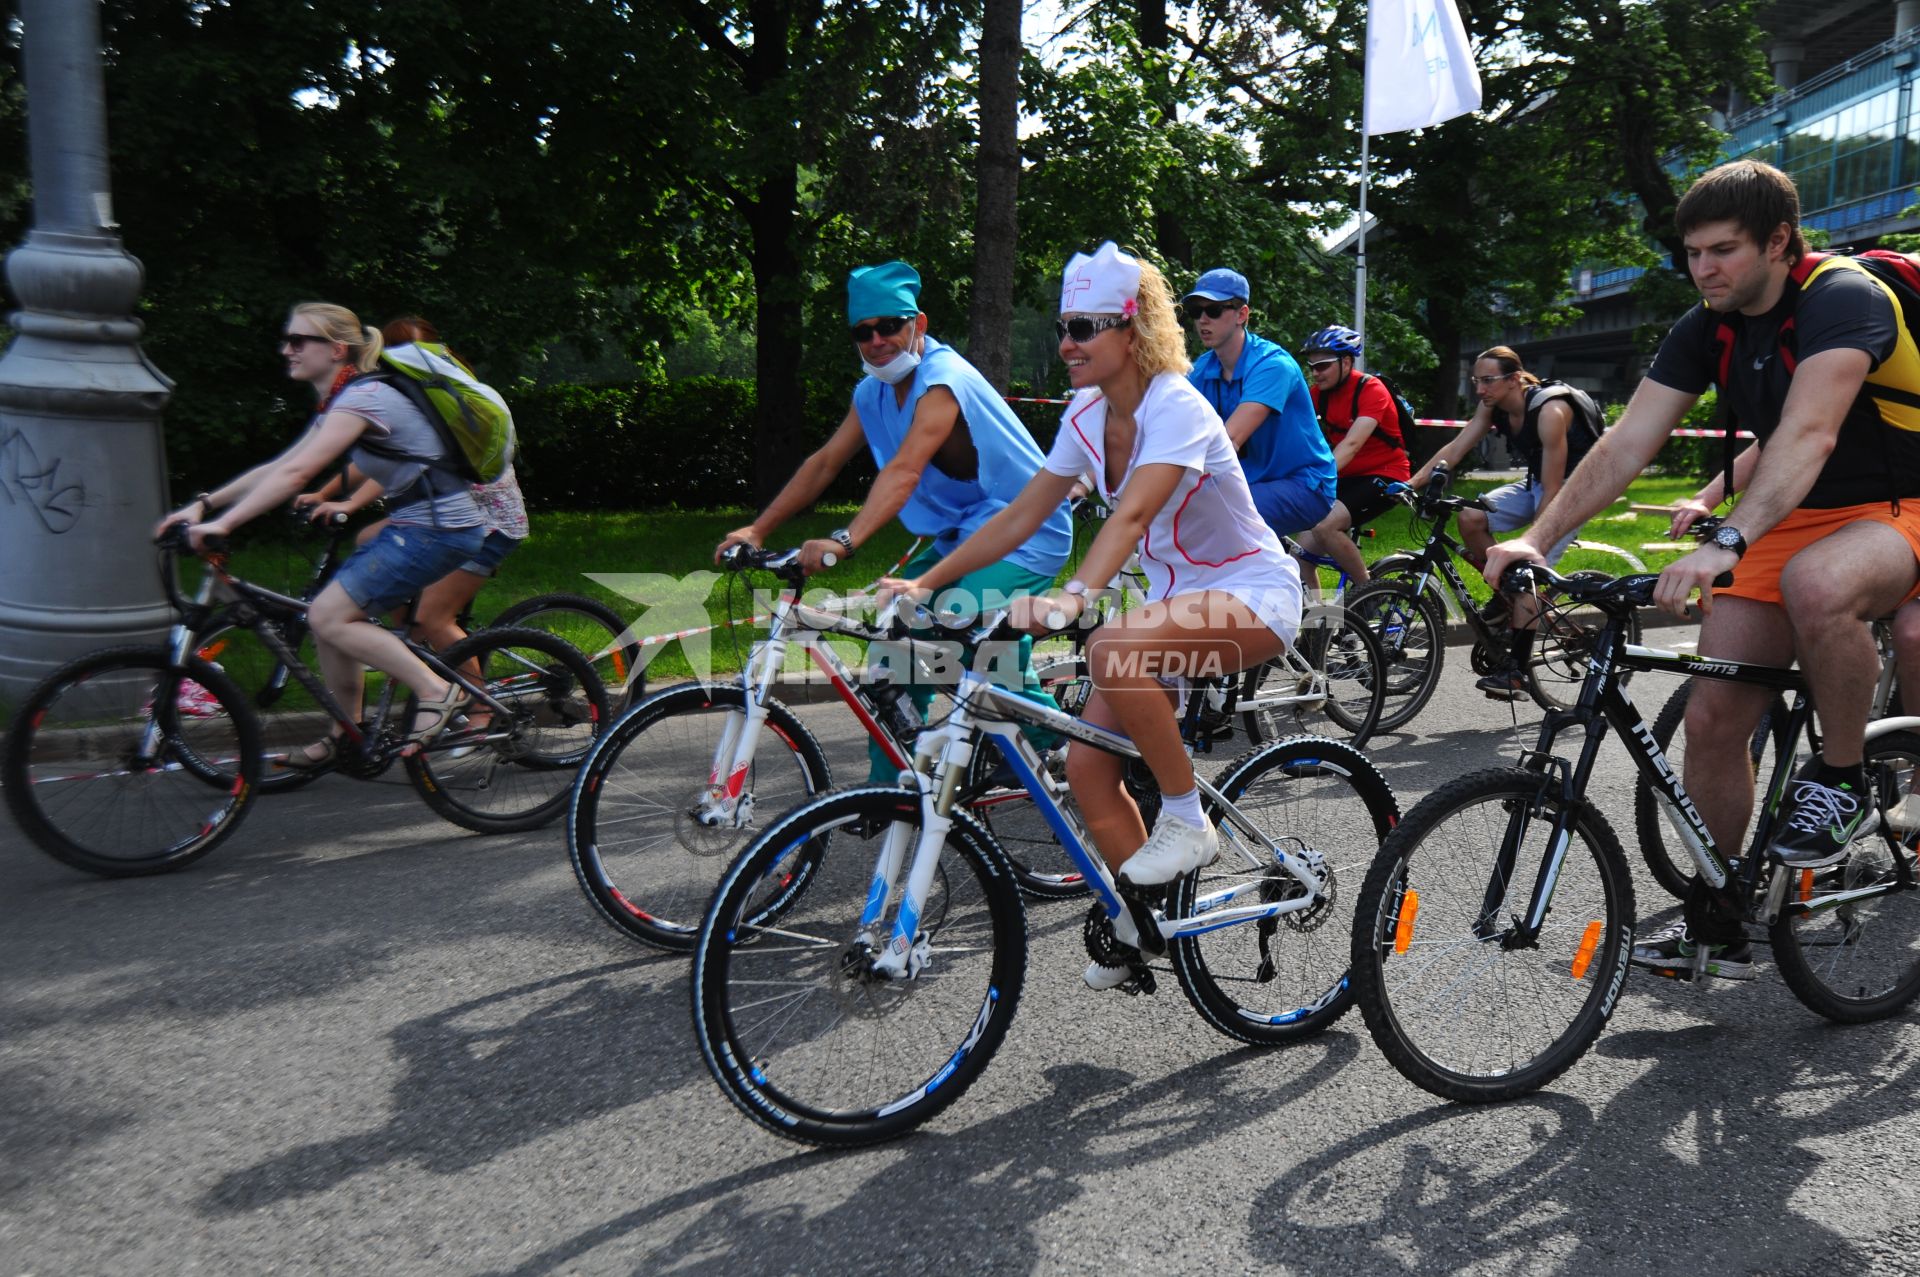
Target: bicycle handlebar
[{"x": 1635, "y": 589}]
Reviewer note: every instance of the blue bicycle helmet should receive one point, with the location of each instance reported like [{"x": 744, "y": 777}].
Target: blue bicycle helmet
[{"x": 1336, "y": 340}]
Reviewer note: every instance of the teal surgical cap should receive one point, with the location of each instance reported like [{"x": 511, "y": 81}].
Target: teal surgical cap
[{"x": 891, "y": 288}]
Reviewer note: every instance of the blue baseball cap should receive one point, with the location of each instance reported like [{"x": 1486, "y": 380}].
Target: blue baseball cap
[
  {"x": 891, "y": 288},
  {"x": 1221, "y": 285}
]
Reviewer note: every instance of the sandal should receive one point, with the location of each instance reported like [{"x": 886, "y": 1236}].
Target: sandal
[
  {"x": 442, "y": 712},
  {"x": 303, "y": 761}
]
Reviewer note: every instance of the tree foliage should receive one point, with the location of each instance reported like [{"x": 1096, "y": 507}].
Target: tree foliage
[{"x": 583, "y": 184}]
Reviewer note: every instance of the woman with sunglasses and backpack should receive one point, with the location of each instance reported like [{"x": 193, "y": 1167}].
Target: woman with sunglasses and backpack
[
  {"x": 435, "y": 525},
  {"x": 1222, "y": 594}
]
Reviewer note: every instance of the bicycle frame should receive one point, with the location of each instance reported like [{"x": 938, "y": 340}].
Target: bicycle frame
[
  {"x": 222, "y": 595},
  {"x": 1604, "y": 703},
  {"x": 941, "y": 759}
]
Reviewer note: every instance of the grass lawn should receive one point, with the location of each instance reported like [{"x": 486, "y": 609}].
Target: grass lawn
[{"x": 567, "y": 550}]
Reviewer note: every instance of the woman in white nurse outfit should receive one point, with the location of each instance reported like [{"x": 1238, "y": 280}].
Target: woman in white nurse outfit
[{"x": 1222, "y": 596}]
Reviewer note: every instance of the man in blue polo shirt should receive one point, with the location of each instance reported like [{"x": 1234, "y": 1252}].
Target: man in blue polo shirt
[{"x": 1260, "y": 393}]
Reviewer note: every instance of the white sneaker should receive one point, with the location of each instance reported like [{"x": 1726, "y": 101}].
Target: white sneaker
[
  {"x": 1173, "y": 850},
  {"x": 1101, "y": 978}
]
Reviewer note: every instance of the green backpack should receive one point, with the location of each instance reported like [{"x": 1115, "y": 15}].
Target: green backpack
[{"x": 472, "y": 419}]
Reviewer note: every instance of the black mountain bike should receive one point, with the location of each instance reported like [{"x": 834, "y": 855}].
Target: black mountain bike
[
  {"x": 1492, "y": 936},
  {"x": 139, "y": 760},
  {"x": 289, "y": 717},
  {"x": 1407, "y": 601}
]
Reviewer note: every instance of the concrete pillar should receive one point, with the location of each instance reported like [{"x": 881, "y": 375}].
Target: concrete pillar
[
  {"x": 1737, "y": 101},
  {"x": 1786, "y": 56},
  {"x": 82, "y": 464},
  {"x": 1906, "y": 16}
]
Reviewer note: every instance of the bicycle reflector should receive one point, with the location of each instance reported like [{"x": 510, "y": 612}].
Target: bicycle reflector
[
  {"x": 1583, "y": 956},
  {"x": 1403, "y": 929},
  {"x": 1806, "y": 884}
]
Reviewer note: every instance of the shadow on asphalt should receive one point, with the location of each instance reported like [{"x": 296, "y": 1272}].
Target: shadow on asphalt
[
  {"x": 1676, "y": 1145},
  {"x": 1007, "y": 1174}
]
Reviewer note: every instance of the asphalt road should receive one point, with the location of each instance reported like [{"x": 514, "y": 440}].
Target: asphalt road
[{"x": 359, "y": 1040}]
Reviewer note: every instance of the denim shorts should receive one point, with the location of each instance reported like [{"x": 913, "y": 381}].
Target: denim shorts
[
  {"x": 1514, "y": 506},
  {"x": 493, "y": 552},
  {"x": 404, "y": 559}
]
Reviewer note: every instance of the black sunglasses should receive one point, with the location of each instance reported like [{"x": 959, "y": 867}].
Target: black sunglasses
[
  {"x": 1212, "y": 310},
  {"x": 863, "y": 333},
  {"x": 301, "y": 340},
  {"x": 1083, "y": 328}
]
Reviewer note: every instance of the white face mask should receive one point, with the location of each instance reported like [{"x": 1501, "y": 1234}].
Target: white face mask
[{"x": 895, "y": 370}]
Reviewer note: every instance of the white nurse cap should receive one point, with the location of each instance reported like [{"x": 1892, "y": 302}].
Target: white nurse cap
[{"x": 1107, "y": 283}]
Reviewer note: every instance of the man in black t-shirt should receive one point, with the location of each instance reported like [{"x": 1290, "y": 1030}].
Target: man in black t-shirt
[{"x": 1832, "y": 515}]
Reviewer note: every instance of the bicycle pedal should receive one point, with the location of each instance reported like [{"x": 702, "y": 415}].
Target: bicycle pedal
[{"x": 1142, "y": 982}]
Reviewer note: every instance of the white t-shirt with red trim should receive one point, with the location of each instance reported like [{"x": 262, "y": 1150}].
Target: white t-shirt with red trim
[{"x": 1208, "y": 536}]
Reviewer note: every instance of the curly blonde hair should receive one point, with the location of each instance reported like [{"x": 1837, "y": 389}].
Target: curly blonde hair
[
  {"x": 1159, "y": 345},
  {"x": 337, "y": 323}
]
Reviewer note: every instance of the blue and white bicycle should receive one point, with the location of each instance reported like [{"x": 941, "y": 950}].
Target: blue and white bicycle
[{"x": 856, "y": 1010}]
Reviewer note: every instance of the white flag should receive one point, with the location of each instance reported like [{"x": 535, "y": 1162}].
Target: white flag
[{"x": 1419, "y": 66}]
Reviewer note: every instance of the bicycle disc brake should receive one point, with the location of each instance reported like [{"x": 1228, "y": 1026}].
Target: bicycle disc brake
[
  {"x": 1311, "y": 917},
  {"x": 701, "y": 838},
  {"x": 862, "y": 991}
]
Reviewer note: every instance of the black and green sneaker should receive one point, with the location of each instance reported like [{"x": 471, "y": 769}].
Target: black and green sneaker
[
  {"x": 1671, "y": 952},
  {"x": 1820, "y": 818}
]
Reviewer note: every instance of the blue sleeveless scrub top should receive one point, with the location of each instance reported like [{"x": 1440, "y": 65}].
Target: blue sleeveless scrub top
[{"x": 947, "y": 509}]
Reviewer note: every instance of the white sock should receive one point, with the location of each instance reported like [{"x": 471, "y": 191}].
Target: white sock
[{"x": 1186, "y": 806}]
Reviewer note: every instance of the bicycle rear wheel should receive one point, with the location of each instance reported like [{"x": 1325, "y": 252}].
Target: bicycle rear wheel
[
  {"x": 1284, "y": 978},
  {"x": 1855, "y": 959},
  {"x": 122, "y": 764},
  {"x": 596, "y": 630},
  {"x": 1413, "y": 641},
  {"x": 635, "y": 832},
  {"x": 1460, "y": 1003},
  {"x": 1337, "y": 667},
  {"x": 1666, "y": 856},
  {"x": 800, "y": 1033},
  {"x": 498, "y": 776}
]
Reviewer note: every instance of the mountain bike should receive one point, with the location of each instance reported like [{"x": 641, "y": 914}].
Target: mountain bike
[
  {"x": 289, "y": 718},
  {"x": 854, "y": 1011},
  {"x": 686, "y": 777},
  {"x": 138, "y": 760},
  {"x": 1666, "y": 856},
  {"x": 1492, "y": 935},
  {"x": 1407, "y": 604}
]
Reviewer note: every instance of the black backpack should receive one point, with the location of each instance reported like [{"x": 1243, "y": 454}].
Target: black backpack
[{"x": 1402, "y": 427}]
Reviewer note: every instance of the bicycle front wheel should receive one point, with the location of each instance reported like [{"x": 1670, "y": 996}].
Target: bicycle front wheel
[
  {"x": 121, "y": 763},
  {"x": 1558, "y": 661},
  {"x": 497, "y": 774},
  {"x": 1283, "y": 978},
  {"x": 1848, "y": 939},
  {"x": 596, "y": 630},
  {"x": 795, "y": 1023},
  {"x": 651, "y": 827},
  {"x": 1458, "y": 998},
  {"x": 1666, "y": 856},
  {"x": 1413, "y": 641}
]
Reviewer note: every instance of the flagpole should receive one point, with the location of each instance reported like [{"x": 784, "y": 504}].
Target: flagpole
[
  {"x": 1360, "y": 262},
  {"x": 1360, "y": 254}
]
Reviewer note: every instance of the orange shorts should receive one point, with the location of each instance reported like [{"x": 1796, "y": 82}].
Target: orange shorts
[{"x": 1757, "y": 575}]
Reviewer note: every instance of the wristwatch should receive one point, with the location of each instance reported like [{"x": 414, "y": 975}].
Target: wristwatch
[
  {"x": 1728, "y": 537},
  {"x": 845, "y": 539}
]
